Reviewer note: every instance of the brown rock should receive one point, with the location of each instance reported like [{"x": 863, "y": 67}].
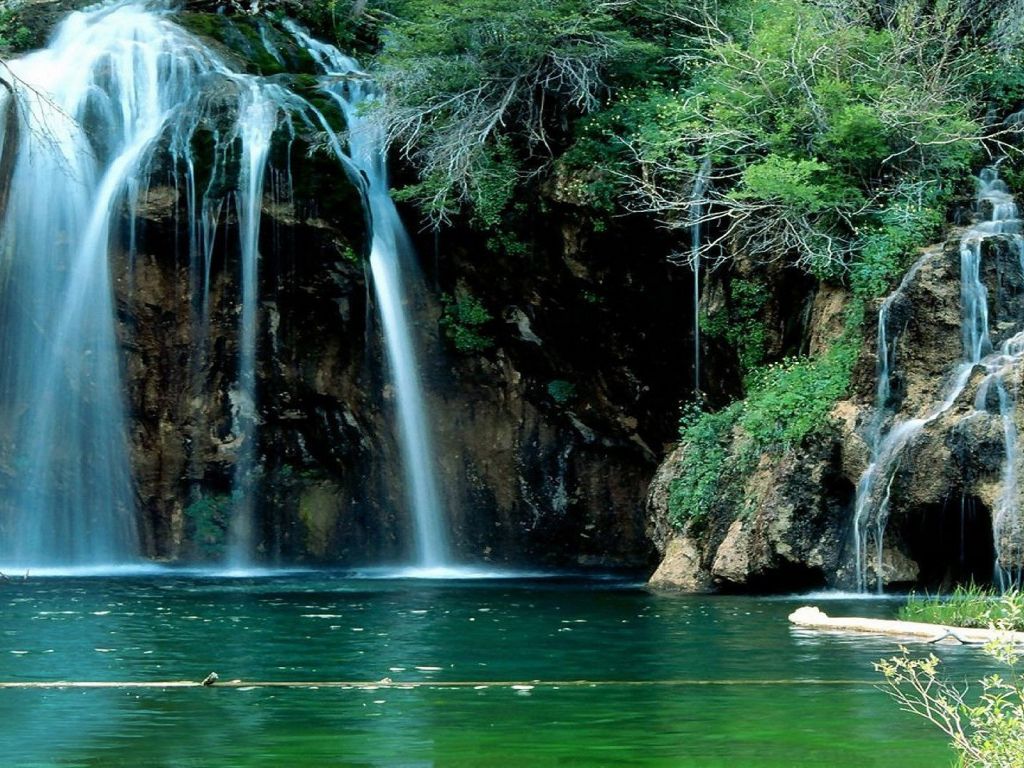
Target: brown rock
[{"x": 680, "y": 568}]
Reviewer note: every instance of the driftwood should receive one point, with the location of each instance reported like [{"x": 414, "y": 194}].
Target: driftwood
[{"x": 810, "y": 617}]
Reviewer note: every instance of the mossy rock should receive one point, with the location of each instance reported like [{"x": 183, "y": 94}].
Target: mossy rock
[{"x": 247, "y": 38}]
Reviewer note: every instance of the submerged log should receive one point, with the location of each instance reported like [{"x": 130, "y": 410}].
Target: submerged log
[{"x": 810, "y": 617}]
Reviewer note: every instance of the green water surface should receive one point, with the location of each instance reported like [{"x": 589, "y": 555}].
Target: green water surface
[{"x": 677, "y": 680}]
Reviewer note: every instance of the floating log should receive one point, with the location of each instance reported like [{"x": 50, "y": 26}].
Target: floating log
[{"x": 810, "y": 617}]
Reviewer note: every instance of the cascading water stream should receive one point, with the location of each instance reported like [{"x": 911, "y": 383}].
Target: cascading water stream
[
  {"x": 871, "y": 505},
  {"x": 257, "y": 123},
  {"x": 120, "y": 92},
  {"x": 91, "y": 110},
  {"x": 68, "y": 497},
  {"x": 390, "y": 247},
  {"x": 700, "y": 185}
]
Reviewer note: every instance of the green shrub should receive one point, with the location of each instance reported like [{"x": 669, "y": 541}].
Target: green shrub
[
  {"x": 740, "y": 324},
  {"x": 466, "y": 78},
  {"x": 816, "y": 123},
  {"x": 463, "y": 320},
  {"x": 14, "y": 36},
  {"x": 986, "y": 732},
  {"x": 791, "y": 399},
  {"x": 707, "y": 438},
  {"x": 886, "y": 244}
]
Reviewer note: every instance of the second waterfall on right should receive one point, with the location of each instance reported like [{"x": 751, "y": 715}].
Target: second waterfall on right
[{"x": 966, "y": 421}]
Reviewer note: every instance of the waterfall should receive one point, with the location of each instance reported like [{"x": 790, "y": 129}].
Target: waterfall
[
  {"x": 871, "y": 505},
  {"x": 390, "y": 247},
  {"x": 119, "y": 92},
  {"x": 67, "y": 493},
  {"x": 257, "y": 122},
  {"x": 700, "y": 184}
]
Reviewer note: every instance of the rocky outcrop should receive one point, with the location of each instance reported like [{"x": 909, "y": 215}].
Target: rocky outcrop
[
  {"x": 783, "y": 531},
  {"x": 791, "y": 523}
]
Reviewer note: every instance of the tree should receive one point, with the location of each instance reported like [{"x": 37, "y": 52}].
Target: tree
[
  {"x": 817, "y": 119},
  {"x": 472, "y": 87}
]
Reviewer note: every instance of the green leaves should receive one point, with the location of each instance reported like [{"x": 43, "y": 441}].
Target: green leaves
[
  {"x": 14, "y": 36},
  {"x": 463, "y": 320},
  {"x": 791, "y": 399},
  {"x": 807, "y": 185},
  {"x": 815, "y": 118},
  {"x": 707, "y": 438},
  {"x": 476, "y": 84},
  {"x": 741, "y": 323},
  {"x": 986, "y": 733}
]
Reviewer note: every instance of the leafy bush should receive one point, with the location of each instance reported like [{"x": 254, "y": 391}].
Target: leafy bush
[
  {"x": 885, "y": 244},
  {"x": 462, "y": 78},
  {"x": 818, "y": 121},
  {"x": 463, "y": 320},
  {"x": 791, "y": 399},
  {"x": 987, "y": 732},
  {"x": 741, "y": 324},
  {"x": 707, "y": 438},
  {"x": 14, "y": 36}
]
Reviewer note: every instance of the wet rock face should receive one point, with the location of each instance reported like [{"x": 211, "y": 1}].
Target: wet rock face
[
  {"x": 1003, "y": 275},
  {"x": 925, "y": 326},
  {"x": 528, "y": 480}
]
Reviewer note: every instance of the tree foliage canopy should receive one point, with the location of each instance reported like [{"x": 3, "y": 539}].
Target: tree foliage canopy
[{"x": 829, "y": 127}]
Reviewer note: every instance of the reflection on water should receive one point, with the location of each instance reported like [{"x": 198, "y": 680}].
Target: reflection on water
[{"x": 511, "y": 642}]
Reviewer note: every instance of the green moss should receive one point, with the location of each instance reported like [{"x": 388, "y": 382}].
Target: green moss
[
  {"x": 318, "y": 510},
  {"x": 242, "y": 36}
]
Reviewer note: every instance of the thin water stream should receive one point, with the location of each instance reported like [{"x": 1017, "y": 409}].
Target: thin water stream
[{"x": 392, "y": 269}]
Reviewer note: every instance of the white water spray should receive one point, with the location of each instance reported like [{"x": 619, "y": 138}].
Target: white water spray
[{"x": 93, "y": 113}]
